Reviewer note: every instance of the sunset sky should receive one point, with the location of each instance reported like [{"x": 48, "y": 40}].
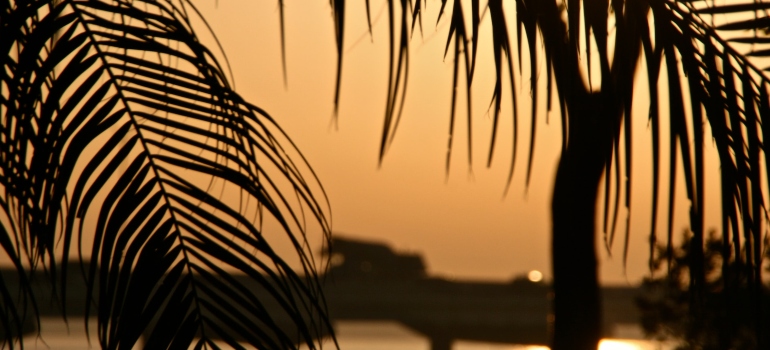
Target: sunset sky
[{"x": 461, "y": 222}]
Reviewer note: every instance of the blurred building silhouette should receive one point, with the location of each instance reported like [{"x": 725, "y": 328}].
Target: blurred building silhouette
[
  {"x": 352, "y": 259},
  {"x": 369, "y": 281}
]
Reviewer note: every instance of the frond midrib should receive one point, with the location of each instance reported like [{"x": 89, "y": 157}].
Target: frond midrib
[{"x": 151, "y": 160}]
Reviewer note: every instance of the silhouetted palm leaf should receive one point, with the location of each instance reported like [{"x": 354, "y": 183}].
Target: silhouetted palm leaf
[
  {"x": 679, "y": 31},
  {"x": 710, "y": 79},
  {"x": 114, "y": 113}
]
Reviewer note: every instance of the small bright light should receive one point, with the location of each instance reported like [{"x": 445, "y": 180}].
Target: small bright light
[{"x": 535, "y": 276}]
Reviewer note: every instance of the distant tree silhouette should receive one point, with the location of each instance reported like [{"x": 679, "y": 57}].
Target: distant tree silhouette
[
  {"x": 723, "y": 321},
  {"x": 114, "y": 113},
  {"x": 709, "y": 80}
]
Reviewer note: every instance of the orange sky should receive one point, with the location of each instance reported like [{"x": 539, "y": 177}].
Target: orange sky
[{"x": 460, "y": 223}]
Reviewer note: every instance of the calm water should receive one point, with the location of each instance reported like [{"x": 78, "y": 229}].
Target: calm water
[
  {"x": 391, "y": 335},
  {"x": 351, "y": 335}
]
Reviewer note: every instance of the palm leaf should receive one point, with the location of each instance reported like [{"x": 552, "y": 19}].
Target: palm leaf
[
  {"x": 711, "y": 80},
  {"x": 114, "y": 113}
]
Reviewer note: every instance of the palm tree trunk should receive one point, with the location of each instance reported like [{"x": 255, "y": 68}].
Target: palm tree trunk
[
  {"x": 593, "y": 120},
  {"x": 576, "y": 290}
]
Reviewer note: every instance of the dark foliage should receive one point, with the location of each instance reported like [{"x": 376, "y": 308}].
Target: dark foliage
[
  {"x": 726, "y": 303},
  {"x": 122, "y": 139},
  {"x": 708, "y": 79}
]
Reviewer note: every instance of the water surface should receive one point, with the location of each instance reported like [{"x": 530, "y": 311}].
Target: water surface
[{"x": 351, "y": 335}]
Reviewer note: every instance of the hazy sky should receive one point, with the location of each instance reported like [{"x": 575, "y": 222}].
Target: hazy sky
[{"x": 461, "y": 223}]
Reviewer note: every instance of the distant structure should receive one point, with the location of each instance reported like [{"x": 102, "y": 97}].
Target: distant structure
[
  {"x": 369, "y": 281},
  {"x": 352, "y": 259}
]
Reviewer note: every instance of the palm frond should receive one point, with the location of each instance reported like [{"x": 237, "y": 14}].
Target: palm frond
[
  {"x": 728, "y": 87},
  {"x": 704, "y": 56},
  {"x": 115, "y": 114}
]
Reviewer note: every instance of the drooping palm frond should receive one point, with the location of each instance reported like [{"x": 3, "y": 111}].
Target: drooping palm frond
[
  {"x": 680, "y": 29},
  {"x": 710, "y": 80},
  {"x": 118, "y": 123},
  {"x": 733, "y": 93}
]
